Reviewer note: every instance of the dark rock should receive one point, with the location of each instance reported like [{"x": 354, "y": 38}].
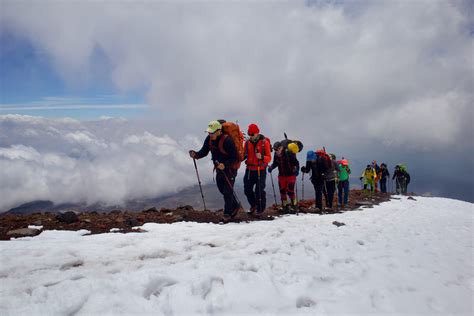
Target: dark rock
[
  {"x": 151, "y": 210},
  {"x": 411, "y": 198},
  {"x": 23, "y": 232},
  {"x": 338, "y": 224},
  {"x": 186, "y": 208},
  {"x": 363, "y": 203},
  {"x": 116, "y": 212},
  {"x": 68, "y": 217},
  {"x": 132, "y": 222}
]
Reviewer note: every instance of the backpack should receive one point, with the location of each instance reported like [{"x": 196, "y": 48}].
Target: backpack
[
  {"x": 403, "y": 168},
  {"x": 232, "y": 130},
  {"x": 286, "y": 142},
  {"x": 322, "y": 155}
]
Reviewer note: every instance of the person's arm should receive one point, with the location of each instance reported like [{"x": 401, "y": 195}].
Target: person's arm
[
  {"x": 204, "y": 151},
  {"x": 274, "y": 164},
  {"x": 268, "y": 151},
  {"x": 307, "y": 168},
  {"x": 294, "y": 162}
]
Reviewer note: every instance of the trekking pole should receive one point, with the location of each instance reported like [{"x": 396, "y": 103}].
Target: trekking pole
[
  {"x": 199, "y": 181},
  {"x": 259, "y": 189},
  {"x": 273, "y": 187}
]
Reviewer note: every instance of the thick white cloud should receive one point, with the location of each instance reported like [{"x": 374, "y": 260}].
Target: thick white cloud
[
  {"x": 72, "y": 161},
  {"x": 372, "y": 66}
]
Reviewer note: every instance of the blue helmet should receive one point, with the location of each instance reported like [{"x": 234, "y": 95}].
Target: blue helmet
[{"x": 310, "y": 155}]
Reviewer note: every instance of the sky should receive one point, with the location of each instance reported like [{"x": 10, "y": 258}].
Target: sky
[
  {"x": 384, "y": 80},
  {"x": 402, "y": 257}
]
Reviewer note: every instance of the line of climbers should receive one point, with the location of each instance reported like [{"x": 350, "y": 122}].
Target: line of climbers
[
  {"x": 228, "y": 149},
  {"x": 373, "y": 174}
]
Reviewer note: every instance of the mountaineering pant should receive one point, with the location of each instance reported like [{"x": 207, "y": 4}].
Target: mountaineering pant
[
  {"x": 328, "y": 191},
  {"x": 318, "y": 190},
  {"x": 287, "y": 186},
  {"x": 343, "y": 186},
  {"x": 257, "y": 199},
  {"x": 226, "y": 188},
  {"x": 371, "y": 183},
  {"x": 401, "y": 185},
  {"x": 383, "y": 185}
]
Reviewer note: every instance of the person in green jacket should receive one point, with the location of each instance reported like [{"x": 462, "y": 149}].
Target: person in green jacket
[{"x": 343, "y": 184}]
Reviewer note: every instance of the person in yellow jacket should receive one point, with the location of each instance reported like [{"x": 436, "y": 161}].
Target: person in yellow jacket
[{"x": 368, "y": 177}]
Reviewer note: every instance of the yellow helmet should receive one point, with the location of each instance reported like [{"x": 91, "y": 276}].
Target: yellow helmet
[{"x": 293, "y": 148}]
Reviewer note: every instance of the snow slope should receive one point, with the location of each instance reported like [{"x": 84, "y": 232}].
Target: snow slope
[{"x": 401, "y": 257}]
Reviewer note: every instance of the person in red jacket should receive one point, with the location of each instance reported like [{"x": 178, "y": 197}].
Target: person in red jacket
[{"x": 258, "y": 156}]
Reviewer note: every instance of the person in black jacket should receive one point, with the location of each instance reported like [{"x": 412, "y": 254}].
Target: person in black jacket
[
  {"x": 224, "y": 155},
  {"x": 384, "y": 175},
  {"x": 316, "y": 164},
  {"x": 288, "y": 167},
  {"x": 402, "y": 179}
]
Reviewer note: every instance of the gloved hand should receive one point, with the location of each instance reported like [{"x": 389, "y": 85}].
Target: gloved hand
[
  {"x": 270, "y": 169},
  {"x": 192, "y": 154},
  {"x": 296, "y": 171},
  {"x": 360, "y": 178},
  {"x": 303, "y": 169}
]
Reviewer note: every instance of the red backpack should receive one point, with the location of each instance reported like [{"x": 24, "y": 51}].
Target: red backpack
[{"x": 321, "y": 154}]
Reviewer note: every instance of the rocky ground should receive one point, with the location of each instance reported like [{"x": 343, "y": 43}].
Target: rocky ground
[{"x": 12, "y": 225}]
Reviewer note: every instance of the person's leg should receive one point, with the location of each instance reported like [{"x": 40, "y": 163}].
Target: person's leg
[
  {"x": 318, "y": 189},
  {"x": 232, "y": 174},
  {"x": 346, "y": 192},
  {"x": 260, "y": 194},
  {"x": 249, "y": 182},
  {"x": 291, "y": 190},
  {"x": 340, "y": 187},
  {"x": 282, "y": 183},
  {"x": 383, "y": 187},
  {"x": 225, "y": 180},
  {"x": 325, "y": 193},
  {"x": 403, "y": 186},
  {"x": 331, "y": 188}
]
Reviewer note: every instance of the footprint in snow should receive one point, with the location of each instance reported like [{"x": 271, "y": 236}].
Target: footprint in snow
[
  {"x": 205, "y": 287},
  {"x": 156, "y": 286},
  {"x": 304, "y": 301}
]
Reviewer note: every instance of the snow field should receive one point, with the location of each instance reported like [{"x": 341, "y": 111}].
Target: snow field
[{"x": 401, "y": 257}]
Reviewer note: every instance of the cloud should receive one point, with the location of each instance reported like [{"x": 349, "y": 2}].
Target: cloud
[
  {"x": 328, "y": 65},
  {"x": 73, "y": 161}
]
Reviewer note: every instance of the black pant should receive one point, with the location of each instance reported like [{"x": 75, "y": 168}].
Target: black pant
[
  {"x": 328, "y": 190},
  {"x": 401, "y": 185},
  {"x": 383, "y": 185},
  {"x": 225, "y": 183},
  {"x": 318, "y": 190},
  {"x": 257, "y": 198}
]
